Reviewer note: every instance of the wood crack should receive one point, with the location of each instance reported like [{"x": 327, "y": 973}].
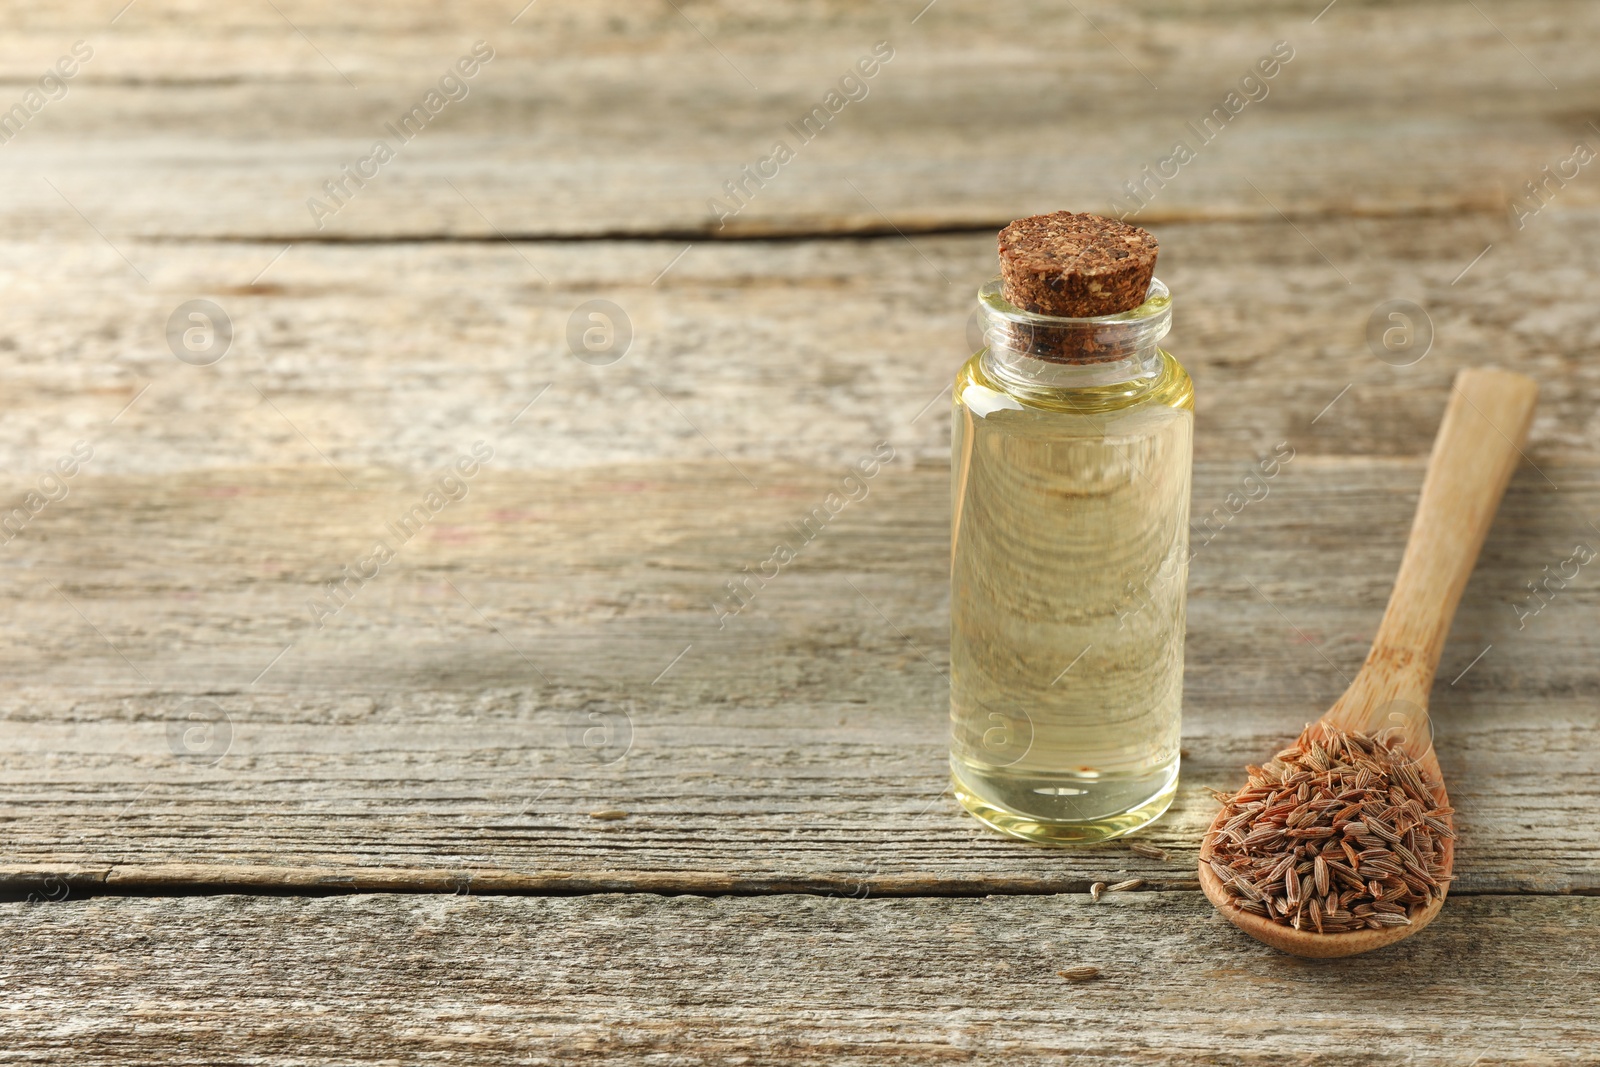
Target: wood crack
[
  {"x": 767, "y": 231},
  {"x": 43, "y": 884}
]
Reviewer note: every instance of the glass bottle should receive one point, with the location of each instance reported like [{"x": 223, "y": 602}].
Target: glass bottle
[{"x": 1071, "y": 459}]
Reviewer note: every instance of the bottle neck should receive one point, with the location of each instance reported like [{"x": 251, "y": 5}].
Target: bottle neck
[
  {"x": 1028, "y": 352},
  {"x": 1023, "y": 373}
]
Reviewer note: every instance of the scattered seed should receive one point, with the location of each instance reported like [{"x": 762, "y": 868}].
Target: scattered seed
[
  {"x": 1080, "y": 974},
  {"x": 1131, "y": 883},
  {"x": 608, "y": 815},
  {"x": 1095, "y": 891},
  {"x": 1139, "y": 848},
  {"x": 1339, "y": 832}
]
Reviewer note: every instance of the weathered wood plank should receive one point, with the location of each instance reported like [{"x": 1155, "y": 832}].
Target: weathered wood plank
[
  {"x": 489, "y": 980},
  {"x": 621, "y": 118},
  {"x": 545, "y": 649},
  {"x": 396, "y": 356},
  {"x": 437, "y": 722}
]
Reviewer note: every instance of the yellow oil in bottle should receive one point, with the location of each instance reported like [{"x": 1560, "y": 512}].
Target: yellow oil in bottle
[{"x": 1069, "y": 558}]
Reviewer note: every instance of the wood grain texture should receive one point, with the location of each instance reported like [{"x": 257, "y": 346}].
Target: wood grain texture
[
  {"x": 197, "y": 562},
  {"x": 174, "y": 720},
  {"x": 1479, "y": 447},
  {"x": 387, "y": 979},
  {"x": 437, "y": 722},
  {"x": 396, "y": 356},
  {"x": 600, "y": 119}
]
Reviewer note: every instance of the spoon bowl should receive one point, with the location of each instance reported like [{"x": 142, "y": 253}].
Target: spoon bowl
[
  {"x": 1307, "y": 942},
  {"x": 1476, "y": 450}
]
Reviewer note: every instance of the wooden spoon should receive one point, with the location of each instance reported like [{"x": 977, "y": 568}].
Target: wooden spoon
[{"x": 1474, "y": 454}]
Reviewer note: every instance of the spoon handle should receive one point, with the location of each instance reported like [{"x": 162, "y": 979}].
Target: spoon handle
[{"x": 1479, "y": 443}]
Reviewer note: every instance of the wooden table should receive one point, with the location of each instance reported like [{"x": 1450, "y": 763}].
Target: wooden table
[{"x": 516, "y": 795}]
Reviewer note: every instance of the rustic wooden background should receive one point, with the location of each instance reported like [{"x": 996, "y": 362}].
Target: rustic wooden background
[{"x": 231, "y": 834}]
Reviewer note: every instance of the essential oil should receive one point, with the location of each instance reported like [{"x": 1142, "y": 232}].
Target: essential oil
[{"x": 1071, "y": 459}]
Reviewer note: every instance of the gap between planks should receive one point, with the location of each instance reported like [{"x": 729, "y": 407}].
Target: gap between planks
[
  {"x": 40, "y": 882},
  {"x": 760, "y": 230},
  {"x": 61, "y": 881},
  {"x": 772, "y": 231}
]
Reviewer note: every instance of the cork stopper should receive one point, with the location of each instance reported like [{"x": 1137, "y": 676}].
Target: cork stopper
[{"x": 1075, "y": 266}]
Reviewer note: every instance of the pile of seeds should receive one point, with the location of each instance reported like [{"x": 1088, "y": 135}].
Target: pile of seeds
[{"x": 1340, "y": 832}]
